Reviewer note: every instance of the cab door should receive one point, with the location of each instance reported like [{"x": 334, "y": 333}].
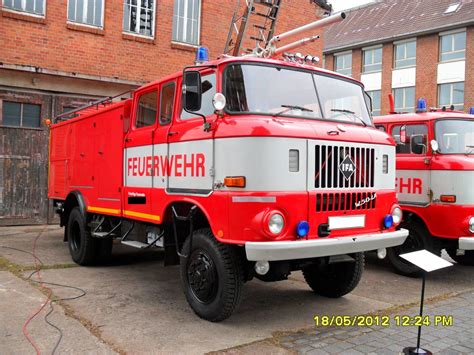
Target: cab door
[
  {"x": 190, "y": 153},
  {"x": 139, "y": 156},
  {"x": 413, "y": 169}
]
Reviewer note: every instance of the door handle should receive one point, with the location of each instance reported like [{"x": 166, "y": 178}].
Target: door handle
[
  {"x": 173, "y": 133},
  {"x": 128, "y": 140}
]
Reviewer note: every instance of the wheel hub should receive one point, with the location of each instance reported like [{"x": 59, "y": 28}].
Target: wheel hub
[{"x": 202, "y": 276}]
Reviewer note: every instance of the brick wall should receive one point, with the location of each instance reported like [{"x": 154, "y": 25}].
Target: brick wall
[
  {"x": 469, "y": 82},
  {"x": 53, "y": 44},
  {"x": 427, "y": 57},
  {"x": 356, "y": 63},
  {"x": 387, "y": 65}
]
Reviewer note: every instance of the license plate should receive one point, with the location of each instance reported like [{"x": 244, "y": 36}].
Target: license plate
[{"x": 346, "y": 222}]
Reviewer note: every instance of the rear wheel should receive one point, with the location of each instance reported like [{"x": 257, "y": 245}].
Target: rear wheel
[
  {"x": 418, "y": 239},
  {"x": 335, "y": 280},
  {"x": 212, "y": 276},
  {"x": 82, "y": 247},
  {"x": 466, "y": 259}
]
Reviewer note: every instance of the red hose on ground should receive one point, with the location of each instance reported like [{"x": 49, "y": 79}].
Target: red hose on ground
[{"x": 38, "y": 269}]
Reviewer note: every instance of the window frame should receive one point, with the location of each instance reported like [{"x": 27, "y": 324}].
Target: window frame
[
  {"x": 137, "y": 107},
  {"x": 102, "y": 20},
  {"x": 341, "y": 55},
  {"x": 451, "y": 33},
  {"x": 404, "y": 107},
  {"x": 199, "y": 17},
  {"x": 163, "y": 86},
  {"x": 395, "y": 60},
  {"x": 400, "y": 125},
  {"x": 21, "y": 103},
  {"x": 451, "y": 95},
  {"x": 24, "y": 12},
  {"x": 138, "y": 34},
  {"x": 364, "y": 53},
  {"x": 370, "y": 93}
]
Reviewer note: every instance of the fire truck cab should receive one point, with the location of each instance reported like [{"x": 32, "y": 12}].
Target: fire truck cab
[{"x": 435, "y": 182}]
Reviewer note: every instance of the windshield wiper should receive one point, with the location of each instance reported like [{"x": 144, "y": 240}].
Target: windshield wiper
[
  {"x": 292, "y": 107},
  {"x": 351, "y": 112}
]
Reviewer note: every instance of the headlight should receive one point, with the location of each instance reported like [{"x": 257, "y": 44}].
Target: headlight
[
  {"x": 276, "y": 223},
  {"x": 471, "y": 224},
  {"x": 397, "y": 215}
]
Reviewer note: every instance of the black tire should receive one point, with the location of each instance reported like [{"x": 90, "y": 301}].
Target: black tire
[
  {"x": 418, "y": 239},
  {"x": 212, "y": 276},
  {"x": 82, "y": 247},
  {"x": 466, "y": 259},
  {"x": 335, "y": 280}
]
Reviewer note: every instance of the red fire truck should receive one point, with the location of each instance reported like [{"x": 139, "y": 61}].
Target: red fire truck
[
  {"x": 435, "y": 182},
  {"x": 239, "y": 167}
]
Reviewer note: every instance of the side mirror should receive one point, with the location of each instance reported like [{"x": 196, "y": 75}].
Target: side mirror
[
  {"x": 403, "y": 134},
  {"x": 418, "y": 144},
  {"x": 434, "y": 146},
  {"x": 192, "y": 91}
]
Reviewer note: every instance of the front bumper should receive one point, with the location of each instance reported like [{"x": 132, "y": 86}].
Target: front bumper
[
  {"x": 466, "y": 243},
  {"x": 303, "y": 249}
]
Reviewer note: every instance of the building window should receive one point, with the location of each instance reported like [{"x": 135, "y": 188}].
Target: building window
[
  {"x": 372, "y": 60},
  {"x": 139, "y": 17},
  {"x": 451, "y": 94},
  {"x": 405, "y": 54},
  {"x": 147, "y": 109},
  {"x": 186, "y": 24},
  {"x": 87, "y": 12},
  {"x": 16, "y": 114},
  {"x": 404, "y": 99},
  {"x": 453, "y": 46},
  {"x": 375, "y": 96},
  {"x": 343, "y": 63},
  {"x": 35, "y": 7}
]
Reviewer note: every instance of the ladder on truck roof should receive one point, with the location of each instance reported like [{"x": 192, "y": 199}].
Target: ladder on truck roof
[{"x": 265, "y": 15}]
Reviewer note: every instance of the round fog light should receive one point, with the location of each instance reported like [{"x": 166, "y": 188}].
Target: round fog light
[
  {"x": 262, "y": 267},
  {"x": 276, "y": 223},
  {"x": 471, "y": 224},
  {"x": 397, "y": 215},
  {"x": 381, "y": 253}
]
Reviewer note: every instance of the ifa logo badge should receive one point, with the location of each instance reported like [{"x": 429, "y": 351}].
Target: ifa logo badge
[{"x": 347, "y": 167}]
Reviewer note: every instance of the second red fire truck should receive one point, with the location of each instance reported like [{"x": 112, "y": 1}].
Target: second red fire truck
[
  {"x": 435, "y": 182},
  {"x": 239, "y": 167}
]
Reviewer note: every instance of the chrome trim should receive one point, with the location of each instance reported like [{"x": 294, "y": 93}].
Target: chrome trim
[
  {"x": 466, "y": 243},
  {"x": 303, "y": 249},
  {"x": 269, "y": 199}
]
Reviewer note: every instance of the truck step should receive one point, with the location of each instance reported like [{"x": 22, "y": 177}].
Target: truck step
[
  {"x": 100, "y": 234},
  {"x": 135, "y": 244}
]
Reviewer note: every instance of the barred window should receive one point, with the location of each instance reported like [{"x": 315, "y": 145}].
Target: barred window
[
  {"x": 186, "y": 21},
  {"x": 87, "y": 12},
  {"x": 139, "y": 17},
  {"x": 17, "y": 114},
  {"x": 35, "y": 7}
]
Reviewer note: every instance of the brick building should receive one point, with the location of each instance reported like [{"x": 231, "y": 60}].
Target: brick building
[
  {"x": 56, "y": 55},
  {"x": 412, "y": 49}
]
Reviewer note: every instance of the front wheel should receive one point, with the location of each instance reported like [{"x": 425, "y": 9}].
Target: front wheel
[
  {"x": 337, "y": 279},
  {"x": 418, "y": 239},
  {"x": 82, "y": 247},
  {"x": 212, "y": 276},
  {"x": 466, "y": 259}
]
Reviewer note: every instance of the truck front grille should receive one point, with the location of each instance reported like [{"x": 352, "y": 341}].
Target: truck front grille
[
  {"x": 328, "y": 173},
  {"x": 347, "y": 201}
]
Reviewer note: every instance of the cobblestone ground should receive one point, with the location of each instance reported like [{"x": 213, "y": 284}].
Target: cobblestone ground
[{"x": 454, "y": 339}]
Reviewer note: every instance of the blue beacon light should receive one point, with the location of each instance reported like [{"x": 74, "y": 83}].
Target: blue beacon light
[
  {"x": 302, "y": 229},
  {"x": 421, "y": 107},
  {"x": 202, "y": 55},
  {"x": 388, "y": 221}
]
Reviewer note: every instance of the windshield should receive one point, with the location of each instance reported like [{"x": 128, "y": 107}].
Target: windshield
[
  {"x": 455, "y": 136},
  {"x": 277, "y": 91}
]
